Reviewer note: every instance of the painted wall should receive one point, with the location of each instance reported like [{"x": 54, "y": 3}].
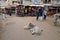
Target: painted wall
[
  {"x": 3, "y": 3},
  {"x": 7, "y": 3}
]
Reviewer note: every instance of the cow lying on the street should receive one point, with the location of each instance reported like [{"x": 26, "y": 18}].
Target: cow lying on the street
[
  {"x": 33, "y": 29},
  {"x": 29, "y": 26}
]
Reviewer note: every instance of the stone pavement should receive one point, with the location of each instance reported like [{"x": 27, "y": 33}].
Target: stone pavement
[
  {"x": 0, "y": 22},
  {"x": 0, "y": 25},
  {"x": 14, "y": 29}
]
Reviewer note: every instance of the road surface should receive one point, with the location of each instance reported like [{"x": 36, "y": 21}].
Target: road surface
[{"x": 14, "y": 29}]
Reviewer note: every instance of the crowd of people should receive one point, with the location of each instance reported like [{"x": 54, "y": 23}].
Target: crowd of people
[
  {"x": 32, "y": 11},
  {"x": 28, "y": 11}
]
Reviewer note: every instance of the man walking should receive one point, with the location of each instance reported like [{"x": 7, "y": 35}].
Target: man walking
[
  {"x": 10, "y": 12},
  {"x": 44, "y": 14},
  {"x": 37, "y": 14},
  {"x": 3, "y": 14}
]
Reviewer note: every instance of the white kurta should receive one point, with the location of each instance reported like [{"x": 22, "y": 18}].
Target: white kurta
[{"x": 3, "y": 16}]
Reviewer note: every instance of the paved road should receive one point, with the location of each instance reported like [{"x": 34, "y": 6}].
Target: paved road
[
  {"x": 0, "y": 17},
  {"x": 0, "y": 22},
  {"x": 14, "y": 29},
  {"x": 0, "y": 26}
]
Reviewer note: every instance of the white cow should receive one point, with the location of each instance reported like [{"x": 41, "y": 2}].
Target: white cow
[
  {"x": 29, "y": 26},
  {"x": 35, "y": 30}
]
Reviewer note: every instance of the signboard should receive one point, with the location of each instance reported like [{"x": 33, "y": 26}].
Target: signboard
[{"x": 36, "y": 2}]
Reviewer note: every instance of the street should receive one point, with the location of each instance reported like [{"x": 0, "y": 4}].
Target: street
[{"x": 14, "y": 29}]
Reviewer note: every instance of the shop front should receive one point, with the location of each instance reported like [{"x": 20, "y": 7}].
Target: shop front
[{"x": 53, "y": 9}]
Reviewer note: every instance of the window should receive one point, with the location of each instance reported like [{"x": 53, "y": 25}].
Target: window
[
  {"x": 0, "y": 1},
  {"x": 47, "y": 1},
  {"x": 14, "y": 2},
  {"x": 28, "y": 0},
  {"x": 4, "y": 0},
  {"x": 21, "y": 1}
]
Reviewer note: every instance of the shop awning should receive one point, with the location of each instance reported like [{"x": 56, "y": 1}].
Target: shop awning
[
  {"x": 36, "y": 5},
  {"x": 47, "y": 4},
  {"x": 2, "y": 7},
  {"x": 26, "y": 3},
  {"x": 56, "y": 5}
]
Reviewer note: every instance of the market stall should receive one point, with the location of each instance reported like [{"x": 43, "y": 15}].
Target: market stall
[{"x": 28, "y": 10}]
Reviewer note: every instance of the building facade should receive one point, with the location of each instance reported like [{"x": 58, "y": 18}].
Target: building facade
[
  {"x": 55, "y": 1},
  {"x": 3, "y": 2},
  {"x": 8, "y": 3}
]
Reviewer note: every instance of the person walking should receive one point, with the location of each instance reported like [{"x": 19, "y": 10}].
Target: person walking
[
  {"x": 16, "y": 11},
  {"x": 10, "y": 13},
  {"x": 3, "y": 14},
  {"x": 22, "y": 12},
  {"x": 44, "y": 14},
  {"x": 40, "y": 11},
  {"x": 25, "y": 12},
  {"x": 37, "y": 14}
]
